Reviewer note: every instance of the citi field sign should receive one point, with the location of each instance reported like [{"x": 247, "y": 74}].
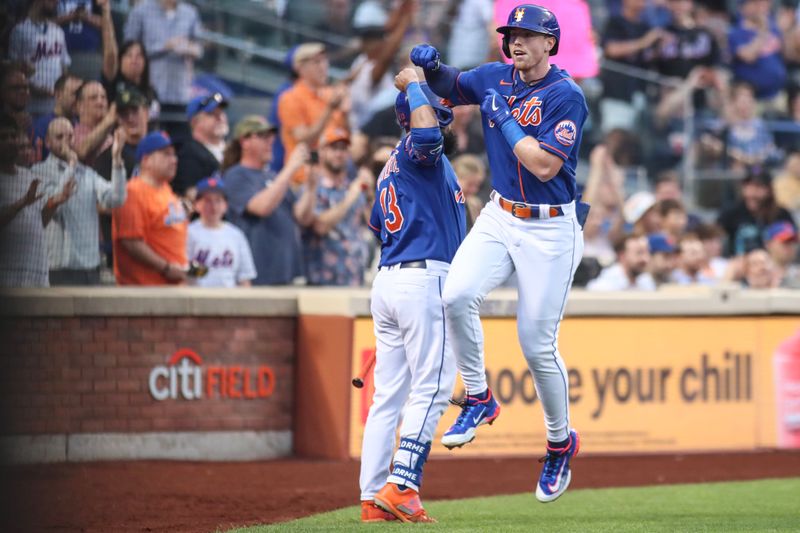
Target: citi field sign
[{"x": 186, "y": 377}]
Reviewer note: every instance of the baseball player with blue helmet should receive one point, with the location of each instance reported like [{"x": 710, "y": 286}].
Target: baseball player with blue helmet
[
  {"x": 420, "y": 218},
  {"x": 533, "y": 115}
]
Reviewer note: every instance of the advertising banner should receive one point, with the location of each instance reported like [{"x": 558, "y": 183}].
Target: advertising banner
[{"x": 659, "y": 384}]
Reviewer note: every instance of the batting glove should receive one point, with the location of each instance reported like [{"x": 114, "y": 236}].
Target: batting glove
[
  {"x": 495, "y": 107},
  {"x": 425, "y": 56}
]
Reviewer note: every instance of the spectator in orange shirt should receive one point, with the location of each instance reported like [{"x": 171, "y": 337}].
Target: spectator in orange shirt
[
  {"x": 311, "y": 105},
  {"x": 150, "y": 229}
]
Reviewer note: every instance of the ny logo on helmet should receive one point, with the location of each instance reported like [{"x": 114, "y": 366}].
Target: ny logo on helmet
[{"x": 519, "y": 14}]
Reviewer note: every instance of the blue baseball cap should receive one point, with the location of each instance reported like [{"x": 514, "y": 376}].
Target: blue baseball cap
[
  {"x": 780, "y": 231},
  {"x": 212, "y": 183},
  {"x": 158, "y": 140},
  {"x": 205, "y": 104},
  {"x": 660, "y": 244}
]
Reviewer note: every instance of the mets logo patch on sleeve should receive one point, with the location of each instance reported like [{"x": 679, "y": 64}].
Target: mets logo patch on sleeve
[{"x": 565, "y": 132}]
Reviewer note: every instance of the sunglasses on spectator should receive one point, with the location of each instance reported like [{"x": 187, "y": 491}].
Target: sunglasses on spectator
[
  {"x": 216, "y": 97},
  {"x": 262, "y": 134}
]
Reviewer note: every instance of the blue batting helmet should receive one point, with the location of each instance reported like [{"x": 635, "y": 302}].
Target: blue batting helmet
[
  {"x": 403, "y": 111},
  {"x": 532, "y": 18}
]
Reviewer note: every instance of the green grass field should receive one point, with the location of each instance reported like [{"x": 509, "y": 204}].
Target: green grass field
[{"x": 768, "y": 505}]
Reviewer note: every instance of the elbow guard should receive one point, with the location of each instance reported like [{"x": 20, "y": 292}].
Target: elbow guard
[{"x": 426, "y": 145}]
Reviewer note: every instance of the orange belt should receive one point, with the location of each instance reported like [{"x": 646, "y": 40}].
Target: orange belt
[{"x": 521, "y": 210}]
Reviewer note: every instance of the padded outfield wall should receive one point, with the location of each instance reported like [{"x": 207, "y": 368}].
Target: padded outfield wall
[{"x": 199, "y": 374}]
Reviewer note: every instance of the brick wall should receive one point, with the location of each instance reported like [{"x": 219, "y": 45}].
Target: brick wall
[{"x": 87, "y": 374}]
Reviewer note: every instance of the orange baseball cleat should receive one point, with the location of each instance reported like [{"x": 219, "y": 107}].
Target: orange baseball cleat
[
  {"x": 372, "y": 513},
  {"x": 402, "y": 503}
]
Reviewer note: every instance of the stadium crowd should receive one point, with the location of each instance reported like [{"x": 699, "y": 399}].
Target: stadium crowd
[{"x": 98, "y": 187}]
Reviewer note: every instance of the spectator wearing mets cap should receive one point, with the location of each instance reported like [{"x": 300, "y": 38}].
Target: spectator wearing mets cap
[
  {"x": 780, "y": 240},
  {"x": 201, "y": 155},
  {"x": 149, "y": 231},
  {"x": 215, "y": 244},
  {"x": 262, "y": 203},
  {"x": 312, "y": 104},
  {"x": 662, "y": 258}
]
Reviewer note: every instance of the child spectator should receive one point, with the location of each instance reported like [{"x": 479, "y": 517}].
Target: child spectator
[
  {"x": 215, "y": 244},
  {"x": 673, "y": 219},
  {"x": 712, "y": 237}
]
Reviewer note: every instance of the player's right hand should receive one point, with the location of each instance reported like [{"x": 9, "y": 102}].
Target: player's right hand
[
  {"x": 299, "y": 157},
  {"x": 404, "y": 78},
  {"x": 425, "y": 56}
]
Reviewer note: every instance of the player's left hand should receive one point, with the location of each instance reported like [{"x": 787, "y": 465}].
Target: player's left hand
[
  {"x": 495, "y": 107},
  {"x": 425, "y": 56}
]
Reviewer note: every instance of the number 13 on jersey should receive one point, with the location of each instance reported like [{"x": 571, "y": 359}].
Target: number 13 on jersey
[{"x": 393, "y": 217}]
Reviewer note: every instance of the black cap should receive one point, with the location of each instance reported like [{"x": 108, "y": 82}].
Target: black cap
[
  {"x": 758, "y": 175},
  {"x": 129, "y": 98}
]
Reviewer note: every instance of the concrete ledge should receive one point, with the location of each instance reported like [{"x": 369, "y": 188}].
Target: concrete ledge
[
  {"x": 181, "y": 446},
  {"x": 177, "y": 446},
  {"x": 724, "y": 300},
  {"x": 149, "y": 301},
  {"x": 334, "y": 301},
  {"x": 24, "y": 449}
]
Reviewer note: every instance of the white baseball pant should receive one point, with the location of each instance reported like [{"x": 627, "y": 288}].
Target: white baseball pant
[
  {"x": 414, "y": 369},
  {"x": 545, "y": 254}
]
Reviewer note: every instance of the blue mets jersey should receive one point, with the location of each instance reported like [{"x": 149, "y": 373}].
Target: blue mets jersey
[
  {"x": 419, "y": 208},
  {"x": 552, "y": 111}
]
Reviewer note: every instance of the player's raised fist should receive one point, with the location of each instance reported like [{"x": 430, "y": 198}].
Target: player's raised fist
[
  {"x": 425, "y": 56},
  {"x": 495, "y": 107},
  {"x": 404, "y": 77}
]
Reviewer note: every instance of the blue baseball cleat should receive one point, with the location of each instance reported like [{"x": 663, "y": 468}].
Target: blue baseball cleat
[
  {"x": 474, "y": 413},
  {"x": 556, "y": 473}
]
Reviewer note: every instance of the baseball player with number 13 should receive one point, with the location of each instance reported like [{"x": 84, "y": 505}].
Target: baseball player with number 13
[
  {"x": 533, "y": 115},
  {"x": 420, "y": 218}
]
